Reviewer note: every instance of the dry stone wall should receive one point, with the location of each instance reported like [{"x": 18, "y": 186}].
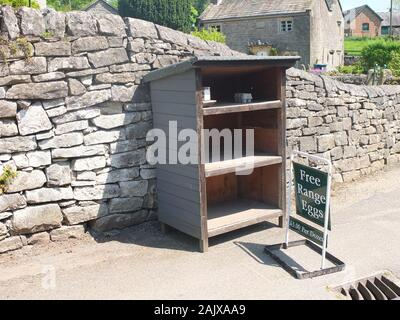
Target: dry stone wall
[
  {"x": 73, "y": 120},
  {"x": 74, "y": 115},
  {"x": 358, "y": 127}
]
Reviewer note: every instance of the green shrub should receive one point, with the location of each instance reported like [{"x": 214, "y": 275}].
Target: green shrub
[
  {"x": 6, "y": 178},
  {"x": 20, "y": 3},
  {"x": 354, "y": 38},
  {"x": 394, "y": 64},
  {"x": 274, "y": 52},
  {"x": 353, "y": 69},
  {"x": 210, "y": 34},
  {"x": 379, "y": 53}
]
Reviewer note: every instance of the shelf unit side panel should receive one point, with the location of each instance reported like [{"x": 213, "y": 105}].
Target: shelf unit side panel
[
  {"x": 201, "y": 167},
  {"x": 174, "y": 99},
  {"x": 282, "y": 137}
]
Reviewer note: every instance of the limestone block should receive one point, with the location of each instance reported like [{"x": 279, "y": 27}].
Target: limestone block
[
  {"x": 49, "y": 195},
  {"x": 53, "y": 49},
  {"x": 33, "y": 120},
  {"x": 81, "y": 24},
  {"x": 108, "y": 57},
  {"x": 65, "y": 233},
  {"x": 42, "y": 90},
  {"x": 36, "y": 219},
  {"x": 27, "y": 181},
  {"x": 99, "y": 192},
  {"x": 58, "y": 174}
]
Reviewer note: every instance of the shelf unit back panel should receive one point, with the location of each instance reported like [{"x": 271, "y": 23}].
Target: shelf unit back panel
[
  {"x": 263, "y": 122},
  {"x": 225, "y": 82},
  {"x": 261, "y": 185}
]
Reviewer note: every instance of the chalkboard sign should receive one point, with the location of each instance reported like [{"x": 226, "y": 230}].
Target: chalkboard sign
[{"x": 311, "y": 192}]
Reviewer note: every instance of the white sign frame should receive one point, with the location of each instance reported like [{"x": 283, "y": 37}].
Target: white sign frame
[{"x": 327, "y": 204}]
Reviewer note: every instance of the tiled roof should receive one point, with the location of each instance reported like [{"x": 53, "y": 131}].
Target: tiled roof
[
  {"x": 104, "y": 3},
  {"x": 352, "y": 13},
  {"x": 250, "y": 8},
  {"x": 386, "y": 18}
]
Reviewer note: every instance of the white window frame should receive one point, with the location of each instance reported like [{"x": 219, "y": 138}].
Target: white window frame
[
  {"x": 286, "y": 25},
  {"x": 218, "y": 27}
]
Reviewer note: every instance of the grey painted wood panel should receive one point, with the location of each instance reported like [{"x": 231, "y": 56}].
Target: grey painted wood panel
[
  {"x": 180, "y": 225},
  {"x": 180, "y": 180},
  {"x": 190, "y": 207},
  {"x": 174, "y": 99},
  {"x": 182, "y": 121},
  {"x": 183, "y": 81},
  {"x": 189, "y": 171},
  {"x": 180, "y": 191},
  {"x": 183, "y": 110},
  {"x": 165, "y": 127},
  {"x": 180, "y": 97}
]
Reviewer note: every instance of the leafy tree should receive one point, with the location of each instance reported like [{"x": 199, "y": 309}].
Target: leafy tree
[
  {"x": 175, "y": 14},
  {"x": 20, "y": 3},
  {"x": 193, "y": 16},
  {"x": 113, "y": 3},
  {"x": 201, "y": 5}
]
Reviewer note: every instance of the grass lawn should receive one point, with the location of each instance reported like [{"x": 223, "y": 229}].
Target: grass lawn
[{"x": 354, "y": 46}]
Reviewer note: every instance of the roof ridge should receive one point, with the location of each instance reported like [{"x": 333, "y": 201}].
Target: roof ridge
[{"x": 230, "y": 9}]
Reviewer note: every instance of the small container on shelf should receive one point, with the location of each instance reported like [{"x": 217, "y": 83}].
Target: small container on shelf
[
  {"x": 206, "y": 93},
  {"x": 243, "y": 97},
  {"x": 207, "y": 102}
]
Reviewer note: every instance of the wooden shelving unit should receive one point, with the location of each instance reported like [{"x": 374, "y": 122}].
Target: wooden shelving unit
[
  {"x": 240, "y": 164},
  {"x": 226, "y": 217},
  {"x": 208, "y": 199},
  {"x": 223, "y": 108}
]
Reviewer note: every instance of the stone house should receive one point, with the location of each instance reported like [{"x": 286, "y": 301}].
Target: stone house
[
  {"x": 312, "y": 29},
  {"x": 362, "y": 22},
  {"x": 385, "y": 26},
  {"x": 100, "y": 6}
]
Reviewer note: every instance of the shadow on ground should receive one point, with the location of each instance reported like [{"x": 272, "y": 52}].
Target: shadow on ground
[
  {"x": 256, "y": 251},
  {"x": 149, "y": 234}
]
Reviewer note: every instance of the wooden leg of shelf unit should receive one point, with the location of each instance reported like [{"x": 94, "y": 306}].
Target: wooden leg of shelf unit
[
  {"x": 203, "y": 245},
  {"x": 164, "y": 228},
  {"x": 281, "y": 222}
]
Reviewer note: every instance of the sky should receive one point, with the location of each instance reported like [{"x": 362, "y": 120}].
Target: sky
[{"x": 377, "y": 5}]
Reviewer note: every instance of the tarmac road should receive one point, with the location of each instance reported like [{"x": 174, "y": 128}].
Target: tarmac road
[{"x": 143, "y": 263}]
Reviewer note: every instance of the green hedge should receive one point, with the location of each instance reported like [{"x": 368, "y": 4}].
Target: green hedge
[
  {"x": 19, "y": 3},
  {"x": 175, "y": 14},
  {"x": 379, "y": 53}
]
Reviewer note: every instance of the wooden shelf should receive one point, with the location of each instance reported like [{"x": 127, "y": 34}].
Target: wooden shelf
[
  {"x": 223, "y": 167},
  {"x": 222, "y": 108},
  {"x": 240, "y": 213}
]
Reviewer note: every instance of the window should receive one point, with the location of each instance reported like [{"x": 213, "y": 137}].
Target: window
[
  {"x": 215, "y": 27},
  {"x": 286, "y": 25},
  {"x": 365, "y": 27}
]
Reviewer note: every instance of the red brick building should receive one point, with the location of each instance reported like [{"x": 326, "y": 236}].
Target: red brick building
[{"x": 362, "y": 22}]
